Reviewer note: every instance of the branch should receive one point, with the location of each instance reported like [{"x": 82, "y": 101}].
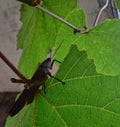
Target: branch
[
  {"x": 3, "y": 57},
  {"x": 38, "y": 3},
  {"x": 76, "y": 29}
]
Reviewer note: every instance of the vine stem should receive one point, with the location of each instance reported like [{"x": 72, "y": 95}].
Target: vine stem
[
  {"x": 100, "y": 12},
  {"x": 76, "y": 30},
  {"x": 14, "y": 69}
]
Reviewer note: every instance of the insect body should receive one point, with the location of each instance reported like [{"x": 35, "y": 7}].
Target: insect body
[{"x": 31, "y": 88}]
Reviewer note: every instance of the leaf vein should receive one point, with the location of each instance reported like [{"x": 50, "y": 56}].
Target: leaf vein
[{"x": 89, "y": 106}]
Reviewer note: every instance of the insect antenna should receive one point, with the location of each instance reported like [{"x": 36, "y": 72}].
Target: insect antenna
[{"x": 52, "y": 53}]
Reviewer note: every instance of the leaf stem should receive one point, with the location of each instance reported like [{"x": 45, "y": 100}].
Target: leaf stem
[
  {"x": 76, "y": 30},
  {"x": 4, "y": 58},
  {"x": 99, "y": 13}
]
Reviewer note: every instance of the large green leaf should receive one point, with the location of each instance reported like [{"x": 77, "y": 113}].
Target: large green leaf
[
  {"x": 38, "y": 32},
  {"x": 87, "y": 99},
  {"x": 34, "y": 21},
  {"x": 101, "y": 42}
]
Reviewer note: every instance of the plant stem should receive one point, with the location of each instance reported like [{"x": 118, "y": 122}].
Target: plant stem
[
  {"x": 4, "y": 58},
  {"x": 76, "y": 30},
  {"x": 99, "y": 13}
]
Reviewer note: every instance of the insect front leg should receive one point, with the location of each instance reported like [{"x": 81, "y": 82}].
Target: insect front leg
[
  {"x": 55, "y": 78},
  {"x": 53, "y": 63}
]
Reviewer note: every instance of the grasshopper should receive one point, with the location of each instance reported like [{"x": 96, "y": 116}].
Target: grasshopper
[{"x": 33, "y": 84}]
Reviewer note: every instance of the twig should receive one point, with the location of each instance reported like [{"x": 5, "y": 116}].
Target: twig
[
  {"x": 100, "y": 12},
  {"x": 3, "y": 57},
  {"x": 76, "y": 30}
]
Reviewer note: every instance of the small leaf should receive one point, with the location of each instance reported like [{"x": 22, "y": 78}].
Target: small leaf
[{"x": 87, "y": 98}]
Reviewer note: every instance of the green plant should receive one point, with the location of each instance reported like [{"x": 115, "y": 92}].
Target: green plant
[{"x": 91, "y": 94}]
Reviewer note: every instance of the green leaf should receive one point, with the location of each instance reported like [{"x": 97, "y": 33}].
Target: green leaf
[
  {"x": 86, "y": 99},
  {"x": 33, "y": 17},
  {"x": 39, "y": 31},
  {"x": 101, "y": 42}
]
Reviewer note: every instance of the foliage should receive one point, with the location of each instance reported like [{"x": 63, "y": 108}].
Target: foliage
[{"x": 90, "y": 69}]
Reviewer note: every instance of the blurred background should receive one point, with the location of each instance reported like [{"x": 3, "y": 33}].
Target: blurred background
[{"x": 9, "y": 27}]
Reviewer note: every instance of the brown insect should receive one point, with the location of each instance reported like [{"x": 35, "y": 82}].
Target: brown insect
[{"x": 32, "y": 87}]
